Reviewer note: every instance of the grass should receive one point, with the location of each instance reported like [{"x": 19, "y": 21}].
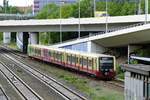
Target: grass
[
  {"x": 12, "y": 45},
  {"x": 95, "y": 93},
  {"x": 93, "y": 90}
]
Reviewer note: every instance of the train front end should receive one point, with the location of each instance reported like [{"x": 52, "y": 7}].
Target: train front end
[{"x": 107, "y": 67}]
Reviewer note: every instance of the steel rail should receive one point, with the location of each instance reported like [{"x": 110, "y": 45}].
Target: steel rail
[
  {"x": 26, "y": 92},
  {"x": 59, "y": 88}
]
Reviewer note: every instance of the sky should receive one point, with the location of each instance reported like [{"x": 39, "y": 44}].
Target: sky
[{"x": 18, "y": 2}]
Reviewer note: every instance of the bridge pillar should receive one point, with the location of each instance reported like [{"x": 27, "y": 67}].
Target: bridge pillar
[
  {"x": 34, "y": 38},
  {"x": 6, "y": 37},
  {"x": 131, "y": 50},
  {"x": 25, "y": 42}
]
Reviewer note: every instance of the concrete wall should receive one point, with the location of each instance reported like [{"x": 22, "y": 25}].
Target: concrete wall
[
  {"x": 95, "y": 48},
  {"x": 86, "y": 47},
  {"x": 34, "y": 38},
  {"x": 134, "y": 87},
  {"x": 78, "y": 47}
]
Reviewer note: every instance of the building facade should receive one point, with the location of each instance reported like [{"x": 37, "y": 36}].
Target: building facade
[{"x": 39, "y": 4}]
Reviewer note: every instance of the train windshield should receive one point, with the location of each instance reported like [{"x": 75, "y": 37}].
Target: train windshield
[{"x": 106, "y": 63}]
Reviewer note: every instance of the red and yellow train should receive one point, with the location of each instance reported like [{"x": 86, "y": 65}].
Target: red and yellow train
[{"x": 100, "y": 65}]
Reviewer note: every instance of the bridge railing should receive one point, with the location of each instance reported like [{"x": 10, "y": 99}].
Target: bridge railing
[{"x": 99, "y": 33}]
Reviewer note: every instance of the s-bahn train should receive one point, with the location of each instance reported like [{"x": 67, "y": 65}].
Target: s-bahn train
[{"x": 99, "y": 65}]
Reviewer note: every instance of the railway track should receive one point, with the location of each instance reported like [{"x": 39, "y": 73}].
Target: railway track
[
  {"x": 56, "y": 86},
  {"x": 15, "y": 52},
  {"x": 3, "y": 95},
  {"x": 115, "y": 83},
  {"x": 22, "y": 88}
]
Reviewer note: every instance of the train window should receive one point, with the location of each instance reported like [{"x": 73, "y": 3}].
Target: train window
[
  {"x": 57, "y": 56},
  {"x": 49, "y": 53},
  {"x": 60, "y": 57},
  {"x": 73, "y": 59},
  {"x": 69, "y": 59},
  {"x": 39, "y": 52},
  {"x": 52, "y": 53},
  {"x": 76, "y": 59},
  {"x": 81, "y": 62},
  {"x": 90, "y": 63},
  {"x": 84, "y": 62}
]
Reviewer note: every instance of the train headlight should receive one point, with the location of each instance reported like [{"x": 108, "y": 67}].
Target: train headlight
[
  {"x": 111, "y": 70},
  {"x": 106, "y": 73}
]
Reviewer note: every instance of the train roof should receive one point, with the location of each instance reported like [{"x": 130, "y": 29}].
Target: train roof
[{"x": 72, "y": 51}]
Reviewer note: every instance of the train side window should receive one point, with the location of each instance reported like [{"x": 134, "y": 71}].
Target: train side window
[
  {"x": 57, "y": 55},
  {"x": 80, "y": 60},
  {"x": 96, "y": 68},
  {"x": 77, "y": 60},
  {"x": 73, "y": 59},
  {"x": 84, "y": 62},
  {"x": 60, "y": 56},
  {"x": 90, "y": 63},
  {"x": 69, "y": 59},
  {"x": 54, "y": 55},
  {"x": 49, "y": 53}
]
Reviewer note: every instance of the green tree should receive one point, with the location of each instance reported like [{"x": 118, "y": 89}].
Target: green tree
[{"x": 115, "y": 8}]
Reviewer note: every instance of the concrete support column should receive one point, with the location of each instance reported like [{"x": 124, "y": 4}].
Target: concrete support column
[
  {"x": 6, "y": 37},
  {"x": 25, "y": 41},
  {"x": 34, "y": 38},
  {"x": 19, "y": 37},
  {"x": 131, "y": 49}
]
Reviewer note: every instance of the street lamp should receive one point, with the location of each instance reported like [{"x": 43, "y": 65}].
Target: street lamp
[
  {"x": 60, "y": 14},
  {"x": 94, "y": 2},
  {"x": 106, "y": 17},
  {"x": 146, "y": 11},
  {"x": 139, "y": 7},
  {"x": 79, "y": 27}
]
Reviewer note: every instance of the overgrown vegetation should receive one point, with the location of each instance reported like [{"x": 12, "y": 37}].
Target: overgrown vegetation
[
  {"x": 144, "y": 51},
  {"x": 94, "y": 90},
  {"x": 115, "y": 8}
]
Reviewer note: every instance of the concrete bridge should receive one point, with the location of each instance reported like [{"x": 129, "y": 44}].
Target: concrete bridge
[
  {"x": 69, "y": 25},
  {"x": 121, "y": 32}
]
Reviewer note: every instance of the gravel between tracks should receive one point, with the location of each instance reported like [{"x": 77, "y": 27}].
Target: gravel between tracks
[
  {"x": 45, "y": 92},
  {"x": 9, "y": 90},
  {"x": 56, "y": 72}
]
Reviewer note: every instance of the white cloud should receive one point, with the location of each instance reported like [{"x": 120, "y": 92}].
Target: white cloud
[{"x": 18, "y": 2}]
